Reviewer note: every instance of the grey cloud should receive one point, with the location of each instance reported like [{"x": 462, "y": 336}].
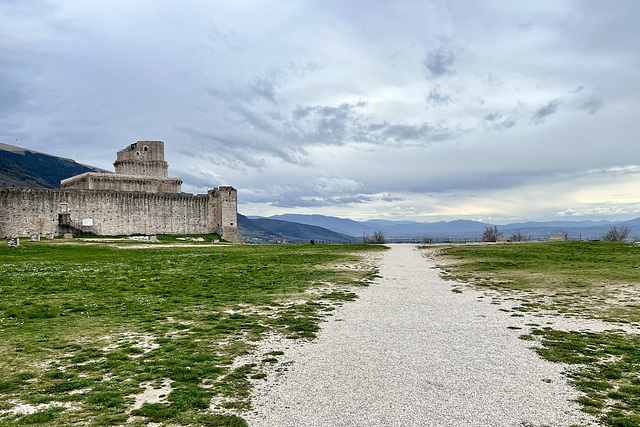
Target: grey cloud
[
  {"x": 505, "y": 124},
  {"x": 271, "y": 134},
  {"x": 306, "y": 195},
  {"x": 275, "y": 115},
  {"x": 591, "y": 106},
  {"x": 390, "y": 198},
  {"x": 322, "y": 124},
  {"x": 230, "y": 39},
  {"x": 327, "y": 125},
  {"x": 543, "y": 112},
  {"x": 492, "y": 117},
  {"x": 301, "y": 112},
  {"x": 261, "y": 86},
  {"x": 342, "y": 125},
  {"x": 265, "y": 85},
  {"x": 424, "y": 132},
  {"x": 310, "y": 202},
  {"x": 223, "y": 150},
  {"x": 437, "y": 98},
  {"x": 525, "y": 26},
  {"x": 477, "y": 180},
  {"x": 304, "y": 69},
  {"x": 299, "y": 202},
  {"x": 200, "y": 179},
  {"x": 497, "y": 122},
  {"x": 255, "y": 120},
  {"x": 490, "y": 79},
  {"x": 264, "y": 88},
  {"x": 261, "y": 135},
  {"x": 438, "y": 62},
  {"x": 325, "y": 114},
  {"x": 429, "y": 133}
]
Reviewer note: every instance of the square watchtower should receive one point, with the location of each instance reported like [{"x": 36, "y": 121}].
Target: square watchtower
[{"x": 142, "y": 158}]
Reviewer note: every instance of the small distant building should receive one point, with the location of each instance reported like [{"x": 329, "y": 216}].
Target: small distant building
[
  {"x": 556, "y": 238},
  {"x": 140, "y": 198}
]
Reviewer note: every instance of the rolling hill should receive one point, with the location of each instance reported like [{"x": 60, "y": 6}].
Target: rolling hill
[
  {"x": 303, "y": 232},
  {"x": 20, "y": 167},
  {"x": 264, "y": 230}
]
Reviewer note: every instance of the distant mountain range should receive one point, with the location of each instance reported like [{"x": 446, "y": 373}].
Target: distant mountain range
[
  {"x": 20, "y": 167},
  {"x": 459, "y": 229},
  {"x": 391, "y": 228}
]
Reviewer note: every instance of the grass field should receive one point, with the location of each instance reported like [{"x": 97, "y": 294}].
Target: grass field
[
  {"x": 87, "y": 328},
  {"x": 598, "y": 280}
]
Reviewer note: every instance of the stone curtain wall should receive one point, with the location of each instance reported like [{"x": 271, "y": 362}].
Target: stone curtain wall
[{"x": 27, "y": 211}]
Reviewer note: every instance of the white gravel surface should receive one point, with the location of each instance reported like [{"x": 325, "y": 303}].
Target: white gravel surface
[{"x": 410, "y": 352}]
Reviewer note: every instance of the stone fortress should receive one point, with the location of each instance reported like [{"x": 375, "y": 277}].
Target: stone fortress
[{"x": 140, "y": 198}]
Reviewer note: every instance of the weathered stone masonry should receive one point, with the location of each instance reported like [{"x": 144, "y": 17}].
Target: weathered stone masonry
[{"x": 121, "y": 204}]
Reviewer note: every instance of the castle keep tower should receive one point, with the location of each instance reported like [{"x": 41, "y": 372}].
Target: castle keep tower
[{"x": 142, "y": 158}]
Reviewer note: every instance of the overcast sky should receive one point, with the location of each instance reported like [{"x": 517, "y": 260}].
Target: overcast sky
[{"x": 499, "y": 111}]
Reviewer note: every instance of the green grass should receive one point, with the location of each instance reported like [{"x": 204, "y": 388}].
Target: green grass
[
  {"x": 604, "y": 366},
  {"x": 599, "y": 280},
  {"x": 88, "y": 325},
  {"x": 586, "y": 279}
]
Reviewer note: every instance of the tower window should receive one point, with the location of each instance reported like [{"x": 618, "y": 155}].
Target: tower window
[
  {"x": 137, "y": 153},
  {"x": 145, "y": 148}
]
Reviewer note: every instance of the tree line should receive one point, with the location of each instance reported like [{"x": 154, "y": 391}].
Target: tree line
[{"x": 614, "y": 234}]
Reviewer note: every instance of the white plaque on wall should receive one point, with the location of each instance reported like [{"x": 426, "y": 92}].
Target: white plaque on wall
[{"x": 87, "y": 222}]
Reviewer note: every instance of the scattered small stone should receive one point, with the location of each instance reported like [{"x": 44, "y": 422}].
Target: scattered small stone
[{"x": 138, "y": 238}]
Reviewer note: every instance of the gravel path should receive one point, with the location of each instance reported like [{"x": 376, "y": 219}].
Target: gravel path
[{"x": 410, "y": 352}]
